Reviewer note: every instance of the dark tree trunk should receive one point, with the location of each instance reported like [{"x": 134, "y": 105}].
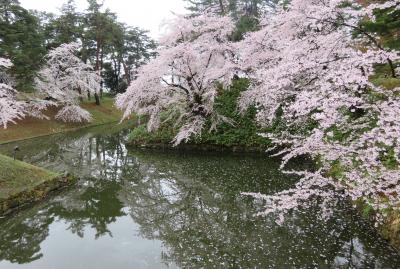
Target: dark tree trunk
[
  {"x": 127, "y": 73},
  {"x": 101, "y": 68},
  {"x": 392, "y": 69},
  {"x": 97, "y": 67},
  {"x": 97, "y": 98}
]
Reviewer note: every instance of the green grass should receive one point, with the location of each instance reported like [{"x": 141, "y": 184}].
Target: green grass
[
  {"x": 104, "y": 113},
  {"x": 382, "y": 77},
  {"x": 17, "y": 177},
  {"x": 31, "y": 127},
  {"x": 387, "y": 83}
]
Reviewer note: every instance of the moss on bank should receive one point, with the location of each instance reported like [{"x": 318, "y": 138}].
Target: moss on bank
[
  {"x": 389, "y": 227},
  {"x": 32, "y": 127},
  {"x": 22, "y": 183},
  {"x": 390, "y": 230}
]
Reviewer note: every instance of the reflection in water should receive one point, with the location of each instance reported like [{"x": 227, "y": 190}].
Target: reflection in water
[{"x": 144, "y": 209}]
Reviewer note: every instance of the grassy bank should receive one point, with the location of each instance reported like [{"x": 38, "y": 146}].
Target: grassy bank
[
  {"x": 32, "y": 127},
  {"x": 22, "y": 183}
]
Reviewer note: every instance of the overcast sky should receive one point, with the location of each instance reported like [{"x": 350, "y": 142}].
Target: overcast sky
[{"x": 147, "y": 14}]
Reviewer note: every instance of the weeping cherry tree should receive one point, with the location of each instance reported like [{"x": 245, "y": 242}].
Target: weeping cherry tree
[
  {"x": 310, "y": 73},
  {"x": 66, "y": 80},
  {"x": 181, "y": 82}
]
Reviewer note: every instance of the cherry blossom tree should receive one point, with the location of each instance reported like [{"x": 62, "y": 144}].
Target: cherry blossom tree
[
  {"x": 10, "y": 109},
  {"x": 67, "y": 80},
  {"x": 194, "y": 58},
  {"x": 310, "y": 74},
  {"x": 309, "y": 65}
]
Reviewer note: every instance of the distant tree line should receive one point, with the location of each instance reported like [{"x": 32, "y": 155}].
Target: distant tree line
[{"x": 115, "y": 49}]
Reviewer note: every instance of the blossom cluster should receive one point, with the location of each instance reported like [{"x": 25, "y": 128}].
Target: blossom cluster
[
  {"x": 10, "y": 109},
  {"x": 310, "y": 67},
  {"x": 310, "y": 73},
  {"x": 66, "y": 80},
  {"x": 305, "y": 62},
  {"x": 193, "y": 58}
]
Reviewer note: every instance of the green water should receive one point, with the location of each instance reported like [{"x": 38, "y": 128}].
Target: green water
[{"x": 151, "y": 209}]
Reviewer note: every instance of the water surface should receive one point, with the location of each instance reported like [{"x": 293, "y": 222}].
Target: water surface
[{"x": 152, "y": 209}]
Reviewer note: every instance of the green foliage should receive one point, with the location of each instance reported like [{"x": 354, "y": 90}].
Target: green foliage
[
  {"x": 129, "y": 48},
  {"x": 244, "y": 131},
  {"x": 388, "y": 158},
  {"x": 66, "y": 28},
  {"x": 140, "y": 135},
  {"x": 338, "y": 135},
  {"x": 21, "y": 41},
  {"x": 336, "y": 171},
  {"x": 386, "y": 25},
  {"x": 382, "y": 77},
  {"x": 244, "y": 25},
  {"x": 367, "y": 211},
  {"x": 387, "y": 83}
]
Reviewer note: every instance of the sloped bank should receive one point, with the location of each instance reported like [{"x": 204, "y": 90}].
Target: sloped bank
[
  {"x": 29, "y": 127},
  {"x": 22, "y": 184}
]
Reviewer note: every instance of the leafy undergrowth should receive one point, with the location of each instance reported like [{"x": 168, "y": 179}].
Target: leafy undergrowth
[
  {"x": 389, "y": 226},
  {"x": 32, "y": 127},
  {"x": 16, "y": 177}
]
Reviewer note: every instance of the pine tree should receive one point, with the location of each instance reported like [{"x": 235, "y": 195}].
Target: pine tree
[{"x": 21, "y": 42}]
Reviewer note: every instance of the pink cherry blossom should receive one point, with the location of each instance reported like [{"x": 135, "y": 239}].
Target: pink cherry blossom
[
  {"x": 10, "y": 109},
  {"x": 67, "y": 80},
  {"x": 305, "y": 61},
  {"x": 193, "y": 58}
]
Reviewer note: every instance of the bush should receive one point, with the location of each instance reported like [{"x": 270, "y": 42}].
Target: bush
[{"x": 244, "y": 131}]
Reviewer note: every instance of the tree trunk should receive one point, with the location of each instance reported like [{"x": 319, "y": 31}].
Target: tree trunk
[
  {"x": 392, "y": 69},
  {"x": 101, "y": 68},
  {"x": 97, "y": 68},
  {"x": 127, "y": 73},
  {"x": 97, "y": 55},
  {"x": 97, "y": 98}
]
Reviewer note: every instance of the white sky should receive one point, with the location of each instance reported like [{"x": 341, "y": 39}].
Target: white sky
[{"x": 146, "y": 14}]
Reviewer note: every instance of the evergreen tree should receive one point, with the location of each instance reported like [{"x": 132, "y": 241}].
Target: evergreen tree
[
  {"x": 383, "y": 32},
  {"x": 21, "y": 42},
  {"x": 68, "y": 26}
]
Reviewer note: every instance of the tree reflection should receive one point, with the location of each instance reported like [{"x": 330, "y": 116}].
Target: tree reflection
[
  {"x": 189, "y": 201},
  {"x": 193, "y": 205},
  {"x": 20, "y": 238},
  {"x": 93, "y": 204},
  {"x": 99, "y": 159}
]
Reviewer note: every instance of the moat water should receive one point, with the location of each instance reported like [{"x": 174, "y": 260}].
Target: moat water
[{"x": 153, "y": 209}]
